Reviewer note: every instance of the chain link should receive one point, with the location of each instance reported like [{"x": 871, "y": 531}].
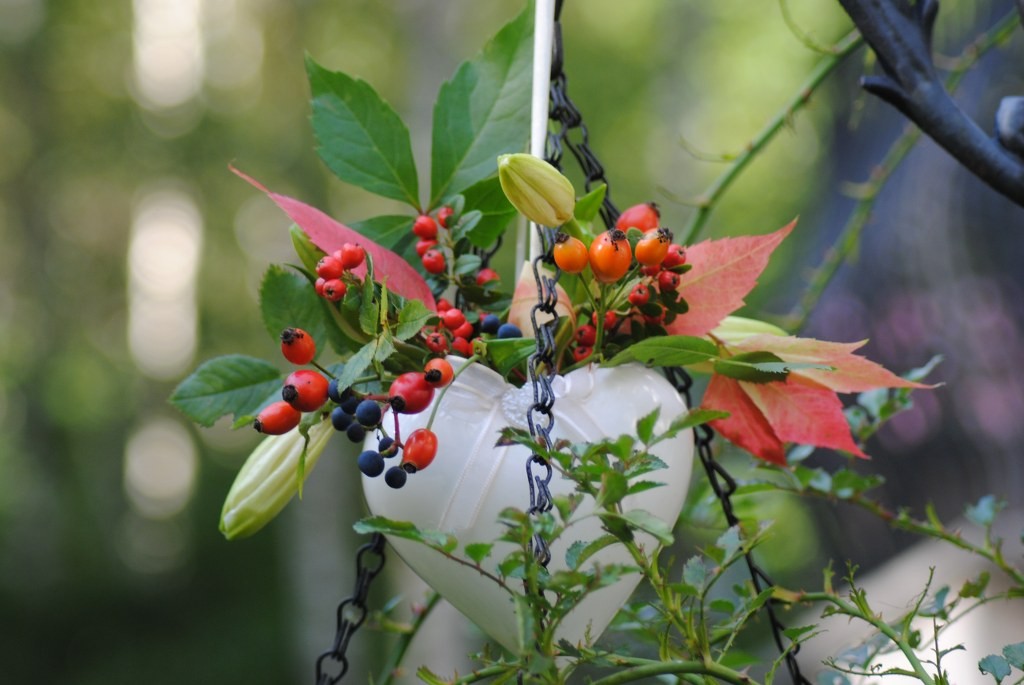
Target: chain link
[
  {"x": 332, "y": 665},
  {"x": 724, "y": 486}
]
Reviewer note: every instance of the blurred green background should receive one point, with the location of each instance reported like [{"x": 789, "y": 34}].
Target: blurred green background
[{"x": 129, "y": 253}]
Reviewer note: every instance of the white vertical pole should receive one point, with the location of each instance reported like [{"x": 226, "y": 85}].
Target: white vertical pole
[{"x": 543, "y": 39}]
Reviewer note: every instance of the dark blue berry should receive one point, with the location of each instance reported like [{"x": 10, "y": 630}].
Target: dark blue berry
[
  {"x": 395, "y": 477},
  {"x": 356, "y": 433},
  {"x": 368, "y": 413},
  {"x": 350, "y": 404},
  {"x": 386, "y": 447},
  {"x": 340, "y": 419},
  {"x": 371, "y": 463},
  {"x": 490, "y": 324},
  {"x": 509, "y": 330},
  {"x": 337, "y": 394}
]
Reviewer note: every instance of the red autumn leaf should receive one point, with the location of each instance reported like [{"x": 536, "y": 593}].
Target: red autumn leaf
[
  {"x": 723, "y": 272},
  {"x": 329, "y": 235},
  {"x": 745, "y": 426},
  {"x": 850, "y": 373}
]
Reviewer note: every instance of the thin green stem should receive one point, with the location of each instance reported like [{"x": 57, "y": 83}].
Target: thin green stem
[
  {"x": 709, "y": 200},
  {"x": 440, "y": 397},
  {"x": 482, "y": 674},
  {"x": 406, "y": 638},
  {"x": 656, "y": 668},
  {"x": 849, "y": 238}
]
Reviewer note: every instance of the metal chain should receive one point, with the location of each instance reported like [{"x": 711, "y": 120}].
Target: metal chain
[
  {"x": 724, "y": 486},
  {"x": 352, "y": 612}
]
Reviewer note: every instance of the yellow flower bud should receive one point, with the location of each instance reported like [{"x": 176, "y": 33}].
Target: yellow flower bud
[
  {"x": 536, "y": 189},
  {"x": 733, "y": 329},
  {"x": 268, "y": 480}
]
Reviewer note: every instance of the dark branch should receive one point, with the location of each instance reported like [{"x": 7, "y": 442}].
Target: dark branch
[{"x": 900, "y": 34}]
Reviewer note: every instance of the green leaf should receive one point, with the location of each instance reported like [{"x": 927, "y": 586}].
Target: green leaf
[
  {"x": 483, "y": 111},
  {"x": 760, "y": 367},
  {"x": 307, "y": 252},
  {"x": 695, "y": 573},
  {"x": 233, "y": 384},
  {"x": 984, "y": 512},
  {"x": 509, "y": 353},
  {"x": 369, "y": 308},
  {"x": 288, "y": 300},
  {"x": 995, "y": 666},
  {"x": 729, "y": 542},
  {"x": 357, "y": 364},
  {"x": 524, "y": 624},
  {"x": 411, "y": 319},
  {"x": 645, "y": 426},
  {"x": 669, "y": 350},
  {"x": 589, "y": 205},
  {"x": 360, "y": 137},
  {"x": 613, "y": 489},
  {"x": 975, "y": 588},
  {"x": 467, "y": 264},
  {"x": 478, "y": 551},
  {"x": 392, "y": 231},
  {"x": 1015, "y": 654},
  {"x": 649, "y": 523},
  {"x": 495, "y": 210}
]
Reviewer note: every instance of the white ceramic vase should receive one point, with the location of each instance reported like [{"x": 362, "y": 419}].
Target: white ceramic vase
[{"x": 471, "y": 481}]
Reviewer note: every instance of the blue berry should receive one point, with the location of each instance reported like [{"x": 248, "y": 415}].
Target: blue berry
[
  {"x": 386, "y": 447},
  {"x": 337, "y": 394},
  {"x": 356, "y": 433},
  {"x": 395, "y": 477},
  {"x": 340, "y": 419},
  {"x": 490, "y": 324},
  {"x": 368, "y": 413},
  {"x": 350, "y": 404},
  {"x": 509, "y": 330},
  {"x": 371, "y": 463}
]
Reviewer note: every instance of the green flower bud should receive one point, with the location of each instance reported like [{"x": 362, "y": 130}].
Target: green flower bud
[
  {"x": 536, "y": 189},
  {"x": 268, "y": 480}
]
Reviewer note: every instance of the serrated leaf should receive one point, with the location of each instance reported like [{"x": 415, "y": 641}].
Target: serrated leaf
[
  {"x": 308, "y": 253},
  {"x": 975, "y": 588},
  {"x": 412, "y": 317},
  {"x": 506, "y": 354},
  {"x": 984, "y": 512},
  {"x": 695, "y": 573},
  {"x": 392, "y": 231},
  {"x": 1015, "y": 654},
  {"x": 524, "y": 624},
  {"x": 649, "y": 523},
  {"x": 613, "y": 489},
  {"x": 478, "y": 551},
  {"x": 645, "y": 426},
  {"x": 360, "y": 137},
  {"x": 357, "y": 364},
  {"x": 483, "y": 111},
  {"x": 674, "y": 350},
  {"x": 467, "y": 264},
  {"x": 729, "y": 541},
  {"x": 288, "y": 300},
  {"x": 385, "y": 347},
  {"x": 760, "y": 367},
  {"x": 580, "y": 551},
  {"x": 995, "y": 666},
  {"x": 232, "y": 384},
  {"x": 496, "y": 211}
]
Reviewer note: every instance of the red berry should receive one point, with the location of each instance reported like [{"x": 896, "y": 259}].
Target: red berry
[
  {"x": 676, "y": 256},
  {"x": 581, "y": 352},
  {"x": 462, "y": 346},
  {"x": 425, "y": 227},
  {"x": 443, "y": 215},
  {"x": 464, "y": 331},
  {"x": 646, "y": 217},
  {"x": 652, "y": 270},
  {"x": 452, "y": 318},
  {"x": 420, "y": 448},
  {"x": 297, "y": 346},
  {"x": 335, "y": 289},
  {"x": 443, "y": 305},
  {"x": 437, "y": 343},
  {"x": 351, "y": 255},
  {"x": 570, "y": 254},
  {"x": 423, "y": 245},
  {"x": 668, "y": 280},
  {"x": 433, "y": 261},
  {"x": 410, "y": 393},
  {"x": 610, "y": 256},
  {"x": 586, "y": 335},
  {"x": 277, "y": 419},
  {"x": 487, "y": 275},
  {"x": 305, "y": 389},
  {"x": 639, "y": 295},
  {"x": 610, "y": 319},
  {"x": 319, "y": 286},
  {"x": 438, "y": 372},
  {"x": 329, "y": 267}
]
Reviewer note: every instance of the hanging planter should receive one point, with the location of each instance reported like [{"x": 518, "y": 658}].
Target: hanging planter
[{"x": 456, "y": 407}]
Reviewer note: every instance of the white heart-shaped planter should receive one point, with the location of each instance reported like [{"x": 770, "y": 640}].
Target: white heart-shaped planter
[{"x": 471, "y": 481}]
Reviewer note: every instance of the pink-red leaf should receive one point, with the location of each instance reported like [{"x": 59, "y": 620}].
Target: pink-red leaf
[
  {"x": 723, "y": 272},
  {"x": 851, "y": 373},
  {"x": 745, "y": 426},
  {"x": 804, "y": 414},
  {"x": 329, "y": 235}
]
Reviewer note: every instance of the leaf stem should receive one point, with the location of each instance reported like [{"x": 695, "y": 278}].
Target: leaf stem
[{"x": 398, "y": 653}]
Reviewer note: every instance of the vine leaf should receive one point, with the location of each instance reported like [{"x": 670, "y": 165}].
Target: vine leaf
[
  {"x": 287, "y": 300},
  {"x": 483, "y": 111},
  {"x": 723, "y": 272},
  {"x": 329, "y": 235},
  {"x": 232, "y": 384},
  {"x": 361, "y": 138}
]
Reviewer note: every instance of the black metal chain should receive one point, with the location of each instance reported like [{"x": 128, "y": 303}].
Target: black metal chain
[
  {"x": 332, "y": 665},
  {"x": 724, "y": 486}
]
